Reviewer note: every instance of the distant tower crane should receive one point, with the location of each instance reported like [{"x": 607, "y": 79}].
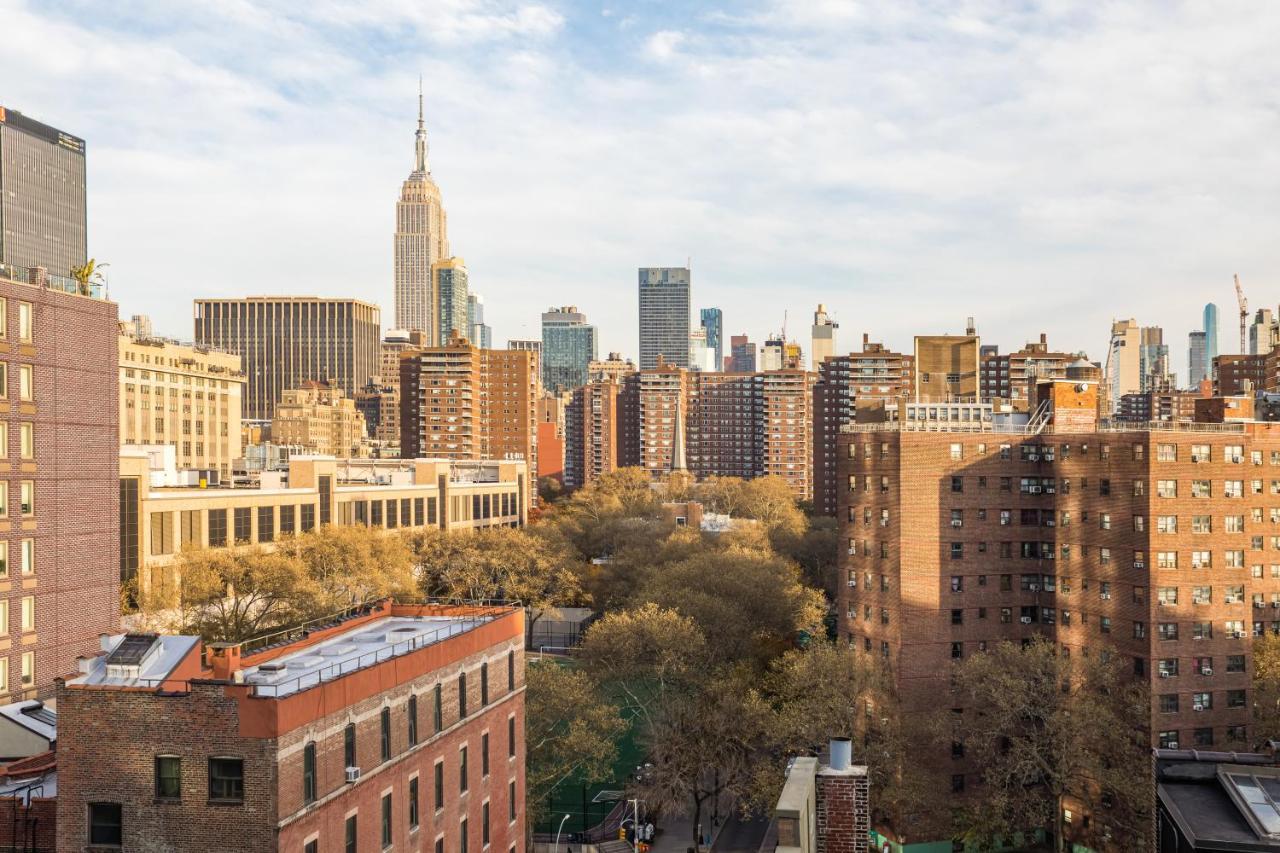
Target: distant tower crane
[{"x": 1244, "y": 315}]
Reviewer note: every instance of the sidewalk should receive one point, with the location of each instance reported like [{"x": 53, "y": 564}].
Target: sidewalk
[{"x": 675, "y": 835}]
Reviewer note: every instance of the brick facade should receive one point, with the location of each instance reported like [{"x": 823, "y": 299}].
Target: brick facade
[
  {"x": 843, "y": 810},
  {"x": 109, "y": 739},
  {"x": 73, "y": 524}
]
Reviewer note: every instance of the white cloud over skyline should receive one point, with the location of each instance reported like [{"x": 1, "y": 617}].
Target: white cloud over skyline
[{"x": 1042, "y": 167}]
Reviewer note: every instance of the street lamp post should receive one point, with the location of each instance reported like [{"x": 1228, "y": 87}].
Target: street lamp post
[{"x": 556, "y": 848}]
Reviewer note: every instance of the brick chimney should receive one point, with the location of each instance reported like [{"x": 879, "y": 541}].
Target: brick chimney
[
  {"x": 844, "y": 803},
  {"x": 223, "y": 659}
]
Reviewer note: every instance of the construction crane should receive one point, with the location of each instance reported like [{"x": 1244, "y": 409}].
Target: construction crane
[{"x": 1244, "y": 316}]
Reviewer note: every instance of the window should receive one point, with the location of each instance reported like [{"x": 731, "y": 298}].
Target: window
[
  {"x": 28, "y": 669},
  {"x": 1166, "y": 453},
  {"x": 312, "y": 846},
  {"x": 484, "y": 754},
  {"x": 106, "y": 825},
  {"x": 511, "y": 671},
  {"x": 511, "y": 737},
  {"x": 385, "y": 727},
  {"x": 226, "y": 779},
  {"x": 439, "y": 780},
  {"x": 462, "y": 770},
  {"x": 413, "y": 803},
  {"x": 309, "y": 773},
  {"x": 349, "y": 745},
  {"x": 26, "y": 383},
  {"x": 28, "y": 497},
  {"x": 1167, "y": 488},
  {"x": 386, "y": 821},
  {"x": 27, "y": 443},
  {"x": 462, "y": 836},
  {"x": 25, "y": 323},
  {"x": 413, "y": 720},
  {"x": 28, "y": 613},
  {"x": 484, "y": 822},
  {"x": 168, "y": 777},
  {"x": 350, "y": 831},
  {"x": 462, "y": 695},
  {"x": 484, "y": 684}
]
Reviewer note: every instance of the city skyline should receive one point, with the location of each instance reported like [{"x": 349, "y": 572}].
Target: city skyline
[{"x": 1095, "y": 205}]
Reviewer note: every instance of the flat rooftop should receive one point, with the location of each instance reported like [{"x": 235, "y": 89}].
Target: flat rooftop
[{"x": 361, "y": 646}]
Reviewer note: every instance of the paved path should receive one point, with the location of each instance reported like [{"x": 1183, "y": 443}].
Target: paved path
[{"x": 741, "y": 836}]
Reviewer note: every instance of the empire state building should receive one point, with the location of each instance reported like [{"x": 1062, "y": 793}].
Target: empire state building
[{"x": 422, "y": 239}]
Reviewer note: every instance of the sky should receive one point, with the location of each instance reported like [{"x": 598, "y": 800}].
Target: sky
[{"x": 1041, "y": 167}]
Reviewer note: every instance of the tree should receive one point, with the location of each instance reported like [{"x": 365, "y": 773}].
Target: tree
[
  {"x": 817, "y": 550},
  {"x": 597, "y": 519},
  {"x": 644, "y": 655},
  {"x": 351, "y": 565},
  {"x": 751, "y": 604},
  {"x": 701, "y": 745},
  {"x": 1266, "y": 687},
  {"x": 497, "y": 563},
  {"x": 829, "y": 689},
  {"x": 88, "y": 274},
  {"x": 570, "y": 731},
  {"x": 770, "y": 501},
  {"x": 231, "y": 597},
  {"x": 1049, "y": 726}
]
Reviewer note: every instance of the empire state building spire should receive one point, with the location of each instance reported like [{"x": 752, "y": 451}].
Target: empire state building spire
[{"x": 420, "y": 137}]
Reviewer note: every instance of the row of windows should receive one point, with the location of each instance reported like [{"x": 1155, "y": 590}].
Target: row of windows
[
  {"x": 26, "y": 325},
  {"x": 26, "y": 382}
]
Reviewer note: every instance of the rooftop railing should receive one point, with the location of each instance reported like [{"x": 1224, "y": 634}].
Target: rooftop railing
[{"x": 40, "y": 277}]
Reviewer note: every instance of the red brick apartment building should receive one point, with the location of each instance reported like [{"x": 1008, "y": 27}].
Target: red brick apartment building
[
  {"x": 1159, "y": 542},
  {"x": 59, "y": 476},
  {"x": 399, "y": 727}
]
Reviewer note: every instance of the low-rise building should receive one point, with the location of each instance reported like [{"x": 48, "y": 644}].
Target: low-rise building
[
  {"x": 321, "y": 418},
  {"x": 391, "y": 727},
  {"x": 1215, "y": 801},
  {"x": 160, "y": 516}
]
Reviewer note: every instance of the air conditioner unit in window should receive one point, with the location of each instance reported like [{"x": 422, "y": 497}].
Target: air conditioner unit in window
[
  {"x": 1239, "y": 635},
  {"x": 1259, "y": 604},
  {"x": 1275, "y": 604},
  {"x": 1207, "y": 671},
  {"x": 353, "y": 774},
  {"x": 1163, "y": 603},
  {"x": 1106, "y": 596},
  {"x": 955, "y": 522},
  {"x": 1026, "y": 620},
  {"x": 1138, "y": 564},
  {"x": 1034, "y": 457},
  {"x": 1164, "y": 675},
  {"x": 1049, "y": 523},
  {"x": 1035, "y": 587},
  {"x": 1197, "y": 707},
  {"x": 1173, "y": 744}
]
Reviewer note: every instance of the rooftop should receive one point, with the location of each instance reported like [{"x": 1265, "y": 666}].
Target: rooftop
[
  {"x": 34, "y": 716},
  {"x": 1226, "y": 800},
  {"x": 38, "y": 277}
]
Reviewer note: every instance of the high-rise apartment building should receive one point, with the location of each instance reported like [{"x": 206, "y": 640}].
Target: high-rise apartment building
[
  {"x": 947, "y": 366},
  {"x": 1135, "y": 355},
  {"x": 384, "y": 395},
  {"x": 43, "y": 215},
  {"x": 713, "y": 322},
  {"x": 421, "y": 241},
  {"x": 321, "y": 419},
  {"x": 593, "y": 432},
  {"x": 743, "y": 354},
  {"x": 285, "y": 341},
  {"x": 481, "y": 335},
  {"x": 1260, "y": 337},
  {"x": 1239, "y": 374},
  {"x": 1009, "y": 378},
  {"x": 844, "y": 381},
  {"x": 186, "y": 396},
  {"x": 823, "y": 336},
  {"x": 569, "y": 345},
  {"x": 701, "y": 356},
  {"x": 662, "y": 407},
  {"x": 60, "y": 431},
  {"x": 452, "y": 299},
  {"x": 664, "y": 316},
  {"x": 462, "y": 402},
  {"x": 1149, "y": 544},
  {"x": 1197, "y": 364},
  {"x": 611, "y": 369},
  {"x": 390, "y": 727}
]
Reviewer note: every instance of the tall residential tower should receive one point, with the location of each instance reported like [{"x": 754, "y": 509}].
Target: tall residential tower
[
  {"x": 421, "y": 240},
  {"x": 569, "y": 345},
  {"x": 42, "y": 195}
]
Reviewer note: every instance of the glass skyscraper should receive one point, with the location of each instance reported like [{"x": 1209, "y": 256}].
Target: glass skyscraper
[
  {"x": 664, "y": 316},
  {"x": 452, "y": 304},
  {"x": 1210, "y": 337},
  {"x": 569, "y": 345},
  {"x": 713, "y": 322},
  {"x": 42, "y": 195}
]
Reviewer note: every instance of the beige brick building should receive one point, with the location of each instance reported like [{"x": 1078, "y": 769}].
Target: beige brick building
[
  {"x": 158, "y": 521},
  {"x": 183, "y": 395},
  {"x": 321, "y": 419}
]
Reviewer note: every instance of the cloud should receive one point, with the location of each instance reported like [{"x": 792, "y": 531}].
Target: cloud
[{"x": 906, "y": 167}]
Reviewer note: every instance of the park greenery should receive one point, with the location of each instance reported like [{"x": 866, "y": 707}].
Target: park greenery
[{"x": 710, "y": 651}]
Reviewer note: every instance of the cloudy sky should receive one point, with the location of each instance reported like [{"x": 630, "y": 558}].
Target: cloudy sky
[{"x": 1040, "y": 166}]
